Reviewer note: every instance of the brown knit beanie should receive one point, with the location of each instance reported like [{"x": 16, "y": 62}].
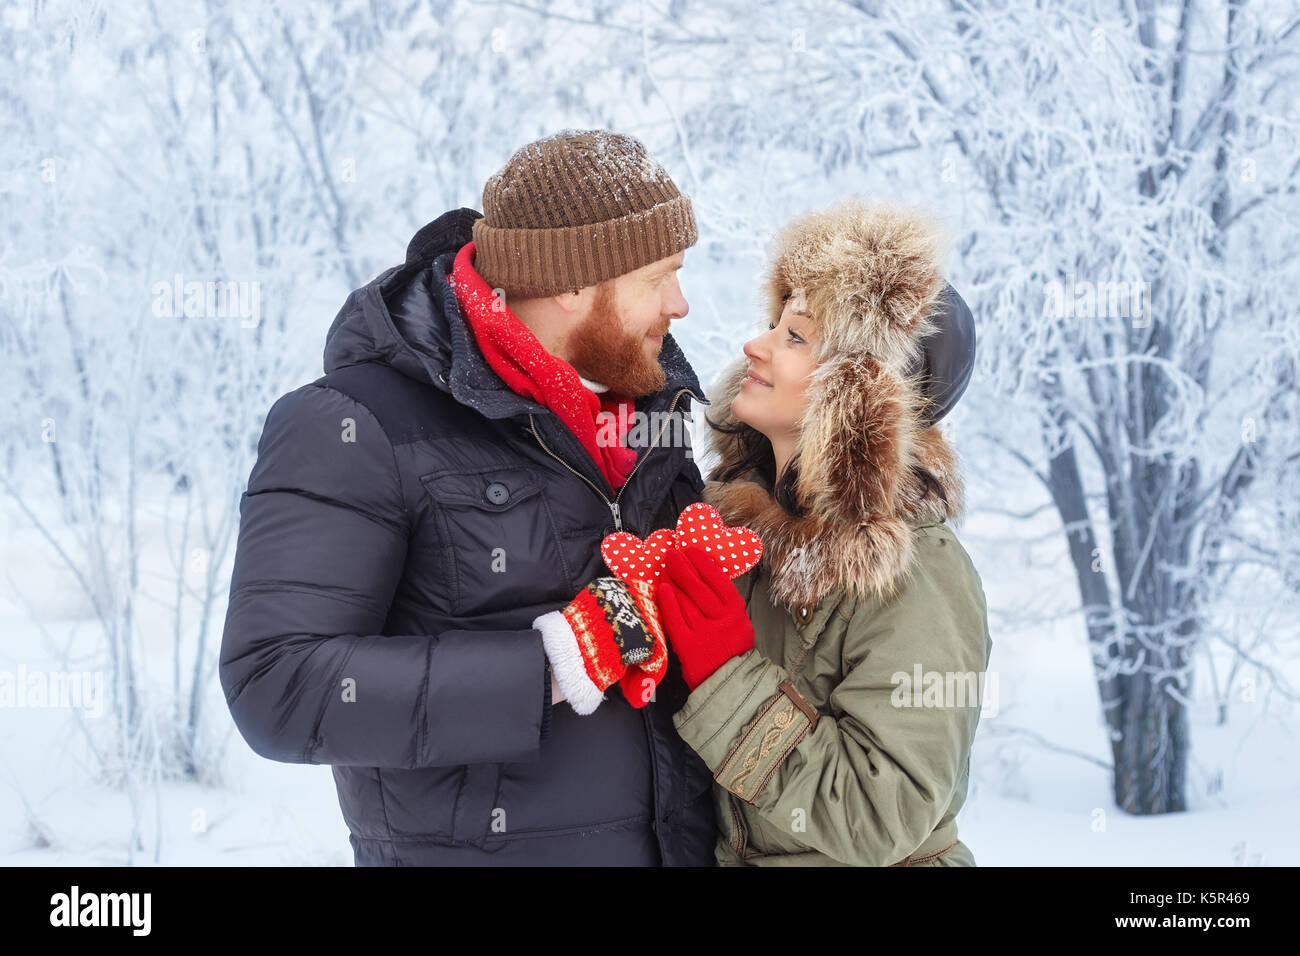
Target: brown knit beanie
[{"x": 574, "y": 209}]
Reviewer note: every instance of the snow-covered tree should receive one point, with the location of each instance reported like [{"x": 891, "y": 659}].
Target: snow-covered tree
[{"x": 1122, "y": 179}]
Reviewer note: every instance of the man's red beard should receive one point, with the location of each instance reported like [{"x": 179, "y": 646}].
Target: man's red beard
[{"x": 601, "y": 351}]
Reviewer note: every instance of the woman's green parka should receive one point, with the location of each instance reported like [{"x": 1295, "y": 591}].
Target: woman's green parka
[
  {"x": 883, "y": 772},
  {"x": 844, "y": 736}
]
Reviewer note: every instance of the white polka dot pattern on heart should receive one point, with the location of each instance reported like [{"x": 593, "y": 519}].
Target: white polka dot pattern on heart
[
  {"x": 735, "y": 549},
  {"x": 632, "y": 559}
]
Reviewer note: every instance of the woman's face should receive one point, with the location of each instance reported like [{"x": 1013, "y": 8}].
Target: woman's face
[{"x": 774, "y": 398}]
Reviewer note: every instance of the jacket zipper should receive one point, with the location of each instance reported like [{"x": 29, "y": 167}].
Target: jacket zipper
[
  {"x": 618, "y": 526},
  {"x": 613, "y": 505}
]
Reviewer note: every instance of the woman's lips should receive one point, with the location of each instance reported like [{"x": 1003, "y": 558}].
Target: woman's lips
[{"x": 751, "y": 377}]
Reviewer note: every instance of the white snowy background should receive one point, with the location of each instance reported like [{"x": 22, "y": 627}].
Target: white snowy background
[{"x": 298, "y": 146}]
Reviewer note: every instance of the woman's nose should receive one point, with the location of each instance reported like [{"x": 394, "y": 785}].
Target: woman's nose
[{"x": 750, "y": 351}]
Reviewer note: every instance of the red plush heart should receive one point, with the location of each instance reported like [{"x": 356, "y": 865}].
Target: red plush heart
[
  {"x": 632, "y": 559},
  {"x": 735, "y": 549}
]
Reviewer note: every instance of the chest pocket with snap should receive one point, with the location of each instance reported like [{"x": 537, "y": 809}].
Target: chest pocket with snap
[{"x": 500, "y": 539}]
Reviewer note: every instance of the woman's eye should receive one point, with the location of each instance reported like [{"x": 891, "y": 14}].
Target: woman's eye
[{"x": 793, "y": 335}]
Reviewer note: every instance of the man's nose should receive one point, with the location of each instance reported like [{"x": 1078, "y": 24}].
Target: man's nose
[{"x": 677, "y": 305}]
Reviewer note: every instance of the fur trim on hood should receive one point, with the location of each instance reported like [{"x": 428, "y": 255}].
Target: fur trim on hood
[{"x": 872, "y": 277}]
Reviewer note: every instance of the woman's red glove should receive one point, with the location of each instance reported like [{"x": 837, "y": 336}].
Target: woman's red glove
[{"x": 703, "y": 615}]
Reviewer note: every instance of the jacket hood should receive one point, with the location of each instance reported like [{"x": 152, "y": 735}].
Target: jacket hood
[
  {"x": 870, "y": 468},
  {"x": 408, "y": 317}
]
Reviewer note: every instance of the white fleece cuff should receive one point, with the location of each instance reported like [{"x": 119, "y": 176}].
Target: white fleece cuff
[{"x": 566, "y": 663}]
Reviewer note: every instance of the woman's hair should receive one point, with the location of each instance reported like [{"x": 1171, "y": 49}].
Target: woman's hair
[
  {"x": 756, "y": 455},
  {"x": 930, "y": 486}
]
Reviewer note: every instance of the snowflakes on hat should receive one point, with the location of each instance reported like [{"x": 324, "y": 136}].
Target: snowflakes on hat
[{"x": 735, "y": 550}]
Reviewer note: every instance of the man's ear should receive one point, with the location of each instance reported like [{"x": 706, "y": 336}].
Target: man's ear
[{"x": 570, "y": 301}]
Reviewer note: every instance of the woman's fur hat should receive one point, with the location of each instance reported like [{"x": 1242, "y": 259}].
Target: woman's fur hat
[{"x": 872, "y": 279}]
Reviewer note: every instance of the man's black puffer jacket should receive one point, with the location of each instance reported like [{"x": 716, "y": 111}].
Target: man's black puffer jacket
[{"x": 407, "y": 518}]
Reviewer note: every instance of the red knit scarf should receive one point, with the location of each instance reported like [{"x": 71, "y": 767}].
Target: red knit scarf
[{"x": 515, "y": 354}]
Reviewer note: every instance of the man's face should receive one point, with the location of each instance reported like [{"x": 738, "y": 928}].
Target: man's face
[{"x": 618, "y": 342}]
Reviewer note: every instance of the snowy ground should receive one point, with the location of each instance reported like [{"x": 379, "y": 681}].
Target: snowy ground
[
  {"x": 1034, "y": 796},
  {"x": 1036, "y": 799}
]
